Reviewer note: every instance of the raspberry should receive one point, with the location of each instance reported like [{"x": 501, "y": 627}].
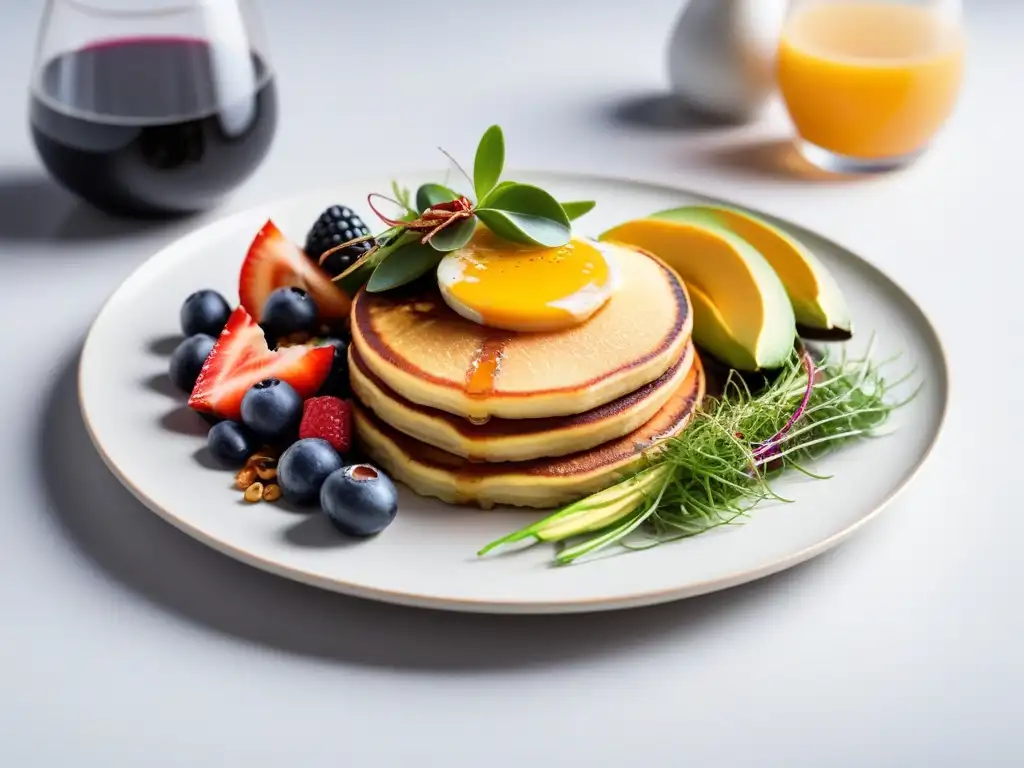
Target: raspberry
[{"x": 329, "y": 418}]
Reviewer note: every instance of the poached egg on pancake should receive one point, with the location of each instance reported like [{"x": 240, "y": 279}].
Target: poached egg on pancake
[
  {"x": 516, "y": 439},
  {"x": 501, "y": 284},
  {"x": 540, "y": 483},
  {"x": 431, "y": 355}
]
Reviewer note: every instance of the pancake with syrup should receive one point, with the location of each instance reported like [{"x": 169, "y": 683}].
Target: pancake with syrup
[
  {"x": 432, "y": 356},
  {"x": 499, "y": 440},
  {"x": 540, "y": 483}
]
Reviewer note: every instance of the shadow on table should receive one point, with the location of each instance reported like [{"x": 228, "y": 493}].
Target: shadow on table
[
  {"x": 140, "y": 552},
  {"x": 661, "y": 111},
  {"x": 34, "y": 208},
  {"x": 773, "y": 158}
]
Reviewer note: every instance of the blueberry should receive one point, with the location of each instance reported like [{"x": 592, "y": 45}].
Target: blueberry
[
  {"x": 288, "y": 310},
  {"x": 337, "y": 382},
  {"x": 206, "y": 312},
  {"x": 272, "y": 409},
  {"x": 187, "y": 360},
  {"x": 304, "y": 466},
  {"x": 360, "y": 500},
  {"x": 230, "y": 443}
]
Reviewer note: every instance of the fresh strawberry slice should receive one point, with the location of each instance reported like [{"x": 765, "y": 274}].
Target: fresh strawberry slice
[
  {"x": 241, "y": 357},
  {"x": 274, "y": 262}
]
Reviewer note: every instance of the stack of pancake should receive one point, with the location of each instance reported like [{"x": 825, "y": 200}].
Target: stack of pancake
[{"x": 475, "y": 415}]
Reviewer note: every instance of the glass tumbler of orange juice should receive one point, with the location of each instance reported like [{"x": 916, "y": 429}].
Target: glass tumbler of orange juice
[{"x": 868, "y": 83}]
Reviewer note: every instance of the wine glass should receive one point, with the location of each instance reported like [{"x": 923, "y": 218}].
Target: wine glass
[
  {"x": 152, "y": 106},
  {"x": 869, "y": 83}
]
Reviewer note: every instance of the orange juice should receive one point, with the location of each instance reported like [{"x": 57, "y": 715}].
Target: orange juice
[{"x": 869, "y": 80}]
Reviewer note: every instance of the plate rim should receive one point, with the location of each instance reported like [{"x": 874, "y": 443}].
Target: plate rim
[{"x": 500, "y": 605}]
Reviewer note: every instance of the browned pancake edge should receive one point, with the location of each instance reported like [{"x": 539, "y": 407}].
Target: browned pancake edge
[
  {"x": 362, "y": 325},
  {"x": 497, "y": 427},
  {"x": 670, "y": 420}
]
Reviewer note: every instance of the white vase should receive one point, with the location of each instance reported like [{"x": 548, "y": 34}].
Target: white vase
[{"x": 722, "y": 54}]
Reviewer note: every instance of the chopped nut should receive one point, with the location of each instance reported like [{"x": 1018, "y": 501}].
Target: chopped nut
[
  {"x": 271, "y": 492},
  {"x": 299, "y": 337},
  {"x": 264, "y": 463},
  {"x": 264, "y": 455},
  {"x": 254, "y": 492},
  {"x": 423, "y": 306},
  {"x": 246, "y": 476}
]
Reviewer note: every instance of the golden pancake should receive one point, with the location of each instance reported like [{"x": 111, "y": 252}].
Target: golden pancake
[
  {"x": 516, "y": 439},
  {"x": 540, "y": 483},
  {"x": 432, "y": 356}
]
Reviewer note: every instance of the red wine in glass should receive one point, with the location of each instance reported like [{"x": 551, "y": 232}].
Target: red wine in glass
[{"x": 152, "y": 123}]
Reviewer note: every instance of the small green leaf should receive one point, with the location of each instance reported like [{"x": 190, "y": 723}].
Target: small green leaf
[
  {"x": 402, "y": 266},
  {"x": 432, "y": 194},
  {"x": 578, "y": 208},
  {"x": 527, "y": 199},
  {"x": 490, "y": 160},
  {"x": 454, "y": 236},
  {"x": 485, "y": 201},
  {"x": 523, "y": 228},
  {"x": 356, "y": 276},
  {"x": 526, "y": 214}
]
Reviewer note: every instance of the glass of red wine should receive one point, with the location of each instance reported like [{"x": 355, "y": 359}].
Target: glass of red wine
[{"x": 152, "y": 107}]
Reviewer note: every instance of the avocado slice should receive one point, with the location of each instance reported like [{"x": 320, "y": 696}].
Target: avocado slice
[
  {"x": 820, "y": 309},
  {"x": 741, "y": 313},
  {"x": 710, "y": 332}
]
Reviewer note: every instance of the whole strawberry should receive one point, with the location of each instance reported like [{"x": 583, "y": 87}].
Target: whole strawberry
[{"x": 329, "y": 418}]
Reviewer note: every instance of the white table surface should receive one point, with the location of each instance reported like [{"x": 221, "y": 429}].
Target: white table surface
[{"x": 123, "y": 642}]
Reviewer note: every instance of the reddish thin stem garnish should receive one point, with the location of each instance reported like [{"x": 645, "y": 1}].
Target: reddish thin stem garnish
[
  {"x": 771, "y": 446},
  {"x": 433, "y": 220},
  {"x": 455, "y": 162},
  {"x": 456, "y": 215},
  {"x": 381, "y": 216},
  {"x": 458, "y": 204},
  {"x": 336, "y": 248}
]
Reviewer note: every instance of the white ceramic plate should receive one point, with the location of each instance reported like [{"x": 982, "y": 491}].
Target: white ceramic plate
[{"x": 427, "y": 557}]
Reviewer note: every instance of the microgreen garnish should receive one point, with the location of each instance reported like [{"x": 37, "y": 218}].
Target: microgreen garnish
[
  {"x": 404, "y": 200},
  {"x": 525, "y": 214},
  {"x": 489, "y": 163},
  {"x": 441, "y": 220},
  {"x": 417, "y": 259},
  {"x": 718, "y": 469},
  {"x": 578, "y": 208}
]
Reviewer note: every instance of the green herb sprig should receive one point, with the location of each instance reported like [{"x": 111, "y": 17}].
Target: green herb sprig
[
  {"x": 439, "y": 220},
  {"x": 719, "y": 468}
]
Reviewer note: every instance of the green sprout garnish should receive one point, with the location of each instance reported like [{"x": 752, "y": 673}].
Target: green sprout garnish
[
  {"x": 439, "y": 221},
  {"x": 718, "y": 469}
]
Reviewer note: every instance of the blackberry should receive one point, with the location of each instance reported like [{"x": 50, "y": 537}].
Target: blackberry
[{"x": 336, "y": 225}]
